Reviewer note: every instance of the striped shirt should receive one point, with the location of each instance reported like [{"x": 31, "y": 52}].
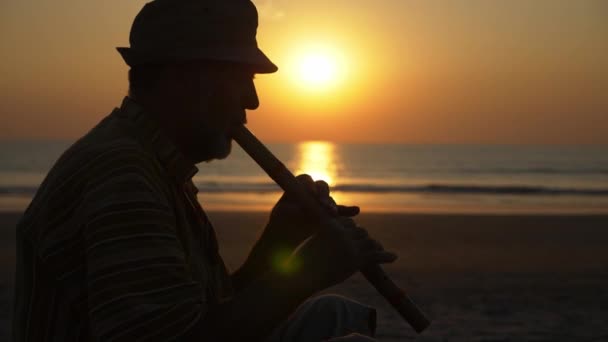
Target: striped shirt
[{"x": 115, "y": 246}]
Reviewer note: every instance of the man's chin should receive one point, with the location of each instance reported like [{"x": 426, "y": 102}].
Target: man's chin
[
  {"x": 211, "y": 144},
  {"x": 225, "y": 153},
  {"x": 218, "y": 151}
]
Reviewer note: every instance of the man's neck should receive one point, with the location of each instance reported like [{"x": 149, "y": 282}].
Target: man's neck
[{"x": 162, "y": 112}]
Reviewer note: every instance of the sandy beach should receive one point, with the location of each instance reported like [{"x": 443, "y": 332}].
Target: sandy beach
[{"x": 479, "y": 277}]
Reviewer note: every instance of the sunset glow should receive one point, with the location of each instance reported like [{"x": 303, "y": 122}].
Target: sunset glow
[{"x": 471, "y": 71}]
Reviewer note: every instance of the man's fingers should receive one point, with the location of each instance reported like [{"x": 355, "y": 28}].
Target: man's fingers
[
  {"x": 348, "y": 211},
  {"x": 341, "y": 210},
  {"x": 308, "y": 182},
  {"x": 368, "y": 244},
  {"x": 371, "y": 251},
  {"x": 322, "y": 189},
  {"x": 323, "y": 196},
  {"x": 291, "y": 209},
  {"x": 348, "y": 223},
  {"x": 357, "y": 233},
  {"x": 382, "y": 257}
]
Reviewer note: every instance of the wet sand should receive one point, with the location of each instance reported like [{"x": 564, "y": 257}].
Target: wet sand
[{"x": 479, "y": 277}]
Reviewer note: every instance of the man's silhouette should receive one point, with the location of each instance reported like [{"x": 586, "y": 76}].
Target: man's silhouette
[{"x": 115, "y": 246}]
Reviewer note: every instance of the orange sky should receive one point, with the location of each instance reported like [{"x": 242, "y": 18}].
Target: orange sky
[{"x": 413, "y": 71}]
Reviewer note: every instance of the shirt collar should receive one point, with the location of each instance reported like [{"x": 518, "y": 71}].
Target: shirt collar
[{"x": 151, "y": 135}]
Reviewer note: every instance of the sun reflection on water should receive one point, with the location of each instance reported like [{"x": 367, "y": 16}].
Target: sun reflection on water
[
  {"x": 321, "y": 160},
  {"x": 318, "y": 159}
]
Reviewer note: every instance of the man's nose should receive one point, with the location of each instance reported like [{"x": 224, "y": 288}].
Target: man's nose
[{"x": 250, "y": 97}]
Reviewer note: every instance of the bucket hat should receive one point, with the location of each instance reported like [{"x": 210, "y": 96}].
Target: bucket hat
[{"x": 167, "y": 31}]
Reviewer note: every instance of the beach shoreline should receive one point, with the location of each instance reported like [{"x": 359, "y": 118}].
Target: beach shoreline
[{"x": 484, "y": 277}]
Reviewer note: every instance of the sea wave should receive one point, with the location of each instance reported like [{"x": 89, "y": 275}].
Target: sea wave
[
  {"x": 473, "y": 189},
  {"x": 262, "y": 187},
  {"x": 445, "y": 189},
  {"x": 534, "y": 170}
]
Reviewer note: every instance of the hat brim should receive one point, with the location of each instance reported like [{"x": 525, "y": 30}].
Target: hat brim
[{"x": 252, "y": 56}]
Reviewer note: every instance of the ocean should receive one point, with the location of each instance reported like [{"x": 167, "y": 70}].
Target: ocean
[{"x": 378, "y": 178}]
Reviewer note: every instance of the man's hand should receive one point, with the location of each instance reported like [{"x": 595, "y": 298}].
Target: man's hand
[
  {"x": 289, "y": 225},
  {"x": 287, "y": 228},
  {"x": 331, "y": 255},
  {"x": 333, "y": 251},
  {"x": 337, "y": 251}
]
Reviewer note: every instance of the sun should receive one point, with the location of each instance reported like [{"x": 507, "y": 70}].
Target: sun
[{"x": 317, "y": 69}]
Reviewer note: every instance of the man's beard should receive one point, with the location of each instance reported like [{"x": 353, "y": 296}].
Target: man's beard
[{"x": 211, "y": 144}]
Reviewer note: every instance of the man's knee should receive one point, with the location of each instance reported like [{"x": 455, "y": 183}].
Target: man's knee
[
  {"x": 329, "y": 304},
  {"x": 352, "y": 338},
  {"x": 342, "y": 310},
  {"x": 325, "y": 317}
]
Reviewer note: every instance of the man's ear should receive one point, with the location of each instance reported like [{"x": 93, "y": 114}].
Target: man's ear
[
  {"x": 177, "y": 81},
  {"x": 170, "y": 75}
]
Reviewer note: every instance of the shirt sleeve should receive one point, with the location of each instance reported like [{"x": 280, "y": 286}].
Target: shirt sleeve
[{"x": 138, "y": 279}]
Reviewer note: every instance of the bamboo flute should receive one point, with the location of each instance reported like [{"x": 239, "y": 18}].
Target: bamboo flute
[{"x": 288, "y": 182}]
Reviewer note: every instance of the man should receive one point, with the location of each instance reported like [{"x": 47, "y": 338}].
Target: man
[{"x": 115, "y": 246}]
